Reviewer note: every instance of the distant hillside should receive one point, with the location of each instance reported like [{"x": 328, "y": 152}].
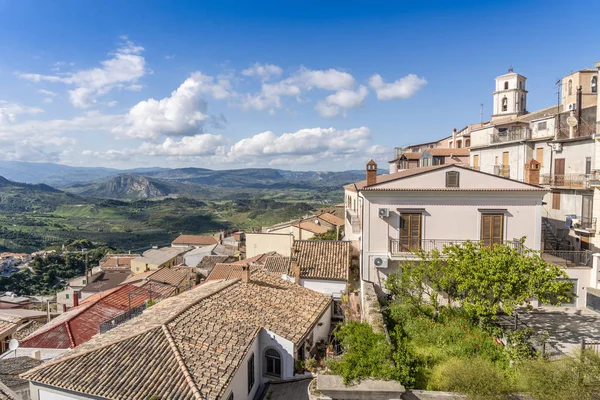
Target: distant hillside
[
  {"x": 23, "y": 197},
  {"x": 81, "y": 179},
  {"x": 128, "y": 187}
]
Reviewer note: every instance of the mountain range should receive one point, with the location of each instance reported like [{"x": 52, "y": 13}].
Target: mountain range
[{"x": 156, "y": 182}]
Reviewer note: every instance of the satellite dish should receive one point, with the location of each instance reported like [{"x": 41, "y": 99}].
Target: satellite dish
[
  {"x": 13, "y": 344},
  {"x": 572, "y": 121}
]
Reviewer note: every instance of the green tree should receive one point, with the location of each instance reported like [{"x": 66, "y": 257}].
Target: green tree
[
  {"x": 485, "y": 280},
  {"x": 329, "y": 235}
]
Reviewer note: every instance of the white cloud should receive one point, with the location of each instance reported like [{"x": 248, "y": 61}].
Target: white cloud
[
  {"x": 270, "y": 96},
  {"x": 342, "y": 99},
  {"x": 403, "y": 88},
  {"x": 90, "y": 121},
  {"x": 181, "y": 114},
  {"x": 122, "y": 70},
  {"x": 10, "y": 111},
  {"x": 330, "y": 79},
  {"x": 47, "y": 92},
  {"x": 327, "y": 110},
  {"x": 263, "y": 71},
  {"x": 305, "y": 145},
  {"x": 47, "y": 100},
  {"x": 197, "y": 145}
]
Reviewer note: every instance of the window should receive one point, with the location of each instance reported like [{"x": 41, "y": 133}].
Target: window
[
  {"x": 251, "y": 373},
  {"x": 410, "y": 232},
  {"x": 505, "y": 85},
  {"x": 539, "y": 156},
  {"x": 522, "y": 103},
  {"x": 83, "y": 281},
  {"x": 458, "y": 144},
  {"x": 556, "y": 200},
  {"x": 542, "y": 126},
  {"x": 468, "y": 143},
  {"x": 595, "y": 84},
  {"x": 588, "y": 165},
  {"x": 570, "y": 88},
  {"x": 476, "y": 162},
  {"x": 273, "y": 363},
  {"x": 230, "y": 397},
  {"x": 520, "y": 84},
  {"x": 452, "y": 179},
  {"x": 492, "y": 229},
  {"x": 67, "y": 296},
  {"x": 504, "y": 104}
]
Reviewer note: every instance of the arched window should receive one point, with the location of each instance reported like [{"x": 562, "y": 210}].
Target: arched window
[
  {"x": 595, "y": 84},
  {"x": 273, "y": 363},
  {"x": 504, "y": 104},
  {"x": 468, "y": 143},
  {"x": 505, "y": 85},
  {"x": 570, "y": 86}
]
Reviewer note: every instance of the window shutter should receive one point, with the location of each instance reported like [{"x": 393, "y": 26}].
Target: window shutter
[
  {"x": 452, "y": 178},
  {"x": 492, "y": 229}
]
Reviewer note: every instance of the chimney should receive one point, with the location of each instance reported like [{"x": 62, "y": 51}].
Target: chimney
[
  {"x": 371, "y": 173},
  {"x": 532, "y": 172},
  {"x": 75, "y": 299},
  {"x": 116, "y": 261},
  {"x": 454, "y": 138},
  {"x": 296, "y": 271},
  {"x": 36, "y": 355},
  {"x": 64, "y": 308},
  {"x": 245, "y": 274}
]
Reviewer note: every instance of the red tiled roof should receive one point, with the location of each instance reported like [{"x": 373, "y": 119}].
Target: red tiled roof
[
  {"x": 195, "y": 240},
  {"x": 332, "y": 219},
  {"x": 117, "y": 260},
  {"x": 80, "y": 323},
  {"x": 311, "y": 227}
]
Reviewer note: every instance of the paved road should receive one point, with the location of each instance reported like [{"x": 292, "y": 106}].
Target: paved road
[{"x": 565, "y": 327}]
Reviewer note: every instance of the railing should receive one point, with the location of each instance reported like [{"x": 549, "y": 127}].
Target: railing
[
  {"x": 502, "y": 170},
  {"x": 510, "y": 134},
  {"x": 120, "y": 318},
  {"x": 398, "y": 249},
  {"x": 582, "y": 130},
  {"x": 593, "y": 346},
  {"x": 572, "y": 181},
  {"x": 579, "y": 258},
  {"x": 352, "y": 217}
]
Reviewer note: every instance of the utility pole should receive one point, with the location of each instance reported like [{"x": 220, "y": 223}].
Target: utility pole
[{"x": 481, "y": 113}]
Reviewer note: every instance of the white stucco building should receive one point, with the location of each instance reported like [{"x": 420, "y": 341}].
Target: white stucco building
[{"x": 430, "y": 207}]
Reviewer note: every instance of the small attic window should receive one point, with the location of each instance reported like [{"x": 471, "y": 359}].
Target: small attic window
[{"x": 452, "y": 179}]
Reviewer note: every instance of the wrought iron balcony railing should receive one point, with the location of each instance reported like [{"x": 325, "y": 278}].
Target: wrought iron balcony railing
[
  {"x": 571, "y": 181},
  {"x": 510, "y": 134},
  {"x": 401, "y": 248}
]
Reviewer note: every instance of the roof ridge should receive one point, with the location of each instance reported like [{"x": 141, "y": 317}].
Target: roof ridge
[
  {"x": 186, "y": 373},
  {"x": 70, "y": 334}
]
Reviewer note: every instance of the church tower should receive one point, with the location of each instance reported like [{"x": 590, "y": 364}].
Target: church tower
[{"x": 510, "y": 96}]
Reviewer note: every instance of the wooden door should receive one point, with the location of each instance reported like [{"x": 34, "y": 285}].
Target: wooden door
[
  {"x": 505, "y": 165},
  {"x": 559, "y": 172},
  {"x": 476, "y": 162},
  {"x": 410, "y": 232},
  {"x": 492, "y": 229},
  {"x": 539, "y": 156}
]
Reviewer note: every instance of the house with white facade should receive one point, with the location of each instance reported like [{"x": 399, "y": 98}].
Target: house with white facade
[
  {"x": 430, "y": 207},
  {"x": 220, "y": 340}
]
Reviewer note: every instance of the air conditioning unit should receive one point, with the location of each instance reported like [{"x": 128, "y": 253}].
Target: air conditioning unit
[
  {"x": 573, "y": 106},
  {"x": 379, "y": 261},
  {"x": 556, "y": 146},
  {"x": 384, "y": 212},
  {"x": 576, "y": 222}
]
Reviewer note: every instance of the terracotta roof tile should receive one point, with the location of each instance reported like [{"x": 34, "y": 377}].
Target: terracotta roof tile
[
  {"x": 209, "y": 261},
  {"x": 190, "y": 345},
  {"x": 195, "y": 240},
  {"x": 107, "y": 280},
  {"x": 332, "y": 219},
  {"x": 311, "y": 227},
  {"x": 398, "y": 175},
  {"x": 277, "y": 264},
  {"x": 322, "y": 259},
  {"x": 117, "y": 260},
  {"x": 79, "y": 324},
  {"x": 10, "y": 368},
  {"x": 7, "y": 394},
  {"x": 449, "y": 152}
]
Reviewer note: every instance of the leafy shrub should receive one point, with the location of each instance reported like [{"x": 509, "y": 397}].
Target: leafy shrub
[
  {"x": 367, "y": 354},
  {"x": 565, "y": 379},
  {"x": 311, "y": 364},
  {"x": 475, "y": 377}
]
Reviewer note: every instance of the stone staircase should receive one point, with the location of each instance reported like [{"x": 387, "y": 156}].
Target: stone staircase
[{"x": 554, "y": 240}]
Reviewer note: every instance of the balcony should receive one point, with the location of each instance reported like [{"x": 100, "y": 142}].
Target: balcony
[
  {"x": 511, "y": 134},
  {"x": 502, "y": 170},
  {"x": 568, "y": 258},
  {"x": 582, "y": 130},
  {"x": 570, "y": 181},
  {"x": 399, "y": 250}
]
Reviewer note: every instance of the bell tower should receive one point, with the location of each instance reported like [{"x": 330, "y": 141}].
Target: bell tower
[{"x": 510, "y": 96}]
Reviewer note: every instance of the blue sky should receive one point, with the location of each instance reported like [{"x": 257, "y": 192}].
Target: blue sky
[{"x": 294, "y": 85}]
